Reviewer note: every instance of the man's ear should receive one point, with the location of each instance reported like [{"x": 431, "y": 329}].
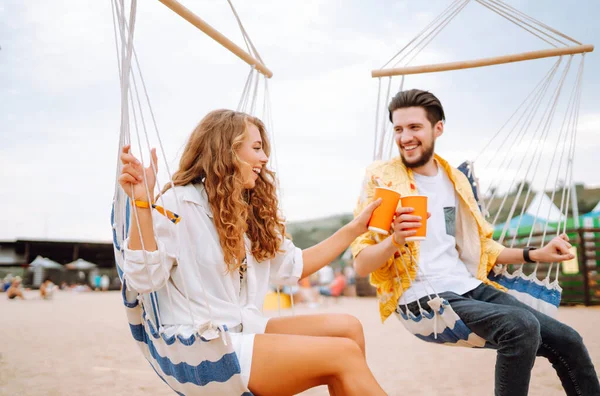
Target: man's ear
[{"x": 438, "y": 129}]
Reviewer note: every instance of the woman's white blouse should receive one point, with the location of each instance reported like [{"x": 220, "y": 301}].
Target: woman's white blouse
[{"x": 189, "y": 261}]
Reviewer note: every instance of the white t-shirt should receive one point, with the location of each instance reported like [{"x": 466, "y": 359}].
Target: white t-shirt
[{"x": 439, "y": 260}]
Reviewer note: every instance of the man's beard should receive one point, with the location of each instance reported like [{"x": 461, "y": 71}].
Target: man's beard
[{"x": 425, "y": 157}]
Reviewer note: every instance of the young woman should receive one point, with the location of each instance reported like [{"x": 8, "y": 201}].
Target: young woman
[{"x": 226, "y": 200}]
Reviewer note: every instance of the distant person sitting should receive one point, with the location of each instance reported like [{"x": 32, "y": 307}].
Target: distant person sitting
[
  {"x": 14, "y": 291},
  {"x": 350, "y": 274},
  {"x": 81, "y": 287},
  {"x": 336, "y": 287},
  {"x": 6, "y": 282},
  {"x": 47, "y": 289},
  {"x": 104, "y": 282},
  {"x": 326, "y": 275}
]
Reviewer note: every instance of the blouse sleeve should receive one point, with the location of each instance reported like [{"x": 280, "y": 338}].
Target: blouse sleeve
[
  {"x": 287, "y": 265},
  {"x": 147, "y": 271}
]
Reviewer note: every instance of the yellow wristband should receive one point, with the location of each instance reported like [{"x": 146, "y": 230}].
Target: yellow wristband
[
  {"x": 396, "y": 244},
  {"x": 141, "y": 204}
]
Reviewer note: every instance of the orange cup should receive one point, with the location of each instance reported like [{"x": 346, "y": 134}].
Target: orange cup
[
  {"x": 382, "y": 217},
  {"x": 419, "y": 204}
]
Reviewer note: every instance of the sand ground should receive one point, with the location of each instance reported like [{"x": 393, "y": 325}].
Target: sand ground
[{"x": 79, "y": 344}]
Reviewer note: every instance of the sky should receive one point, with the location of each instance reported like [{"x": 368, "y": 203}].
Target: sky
[{"x": 60, "y": 96}]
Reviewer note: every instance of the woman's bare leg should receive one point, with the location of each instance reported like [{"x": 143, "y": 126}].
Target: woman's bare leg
[
  {"x": 289, "y": 364},
  {"x": 324, "y": 325},
  {"x": 330, "y": 325}
]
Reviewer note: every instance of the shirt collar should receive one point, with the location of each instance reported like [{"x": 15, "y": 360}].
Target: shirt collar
[{"x": 196, "y": 194}]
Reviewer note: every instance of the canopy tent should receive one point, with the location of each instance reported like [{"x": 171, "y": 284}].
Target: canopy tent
[
  {"x": 80, "y": 264},
  {"x": 520, "y": 225},
  {"x": 43, "y": 262},
  {"x": 547, "y": 210},
  {"x": 41, "y": 267},
  {"x": 540, "y": 213},
  {"x": 594, "y": 213}
]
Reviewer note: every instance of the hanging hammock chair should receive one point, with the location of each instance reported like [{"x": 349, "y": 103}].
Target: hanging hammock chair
[
  {"x": 197, "y": 358},
  {"x": 514, "y": 159}
]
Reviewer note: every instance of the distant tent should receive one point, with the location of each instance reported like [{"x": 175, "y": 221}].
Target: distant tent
[
  {"x": 43, "y": 262},
  {"x": 522, "y": 223},
  {"x": 80, "y": 264},
  {"x": 40, "y": 267},
  {"x": 542, "y": 207},
  {"x": 594, "y": 212}
]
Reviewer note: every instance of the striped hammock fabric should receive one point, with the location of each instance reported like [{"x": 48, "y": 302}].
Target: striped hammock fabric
[
  {"x": 203, "y": 363},
  {"x": 541, "y": 295},
  {"x": 442, "y": 325}
]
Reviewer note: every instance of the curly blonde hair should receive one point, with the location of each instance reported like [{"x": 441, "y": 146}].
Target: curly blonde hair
[{"x": 210, "y": 157}]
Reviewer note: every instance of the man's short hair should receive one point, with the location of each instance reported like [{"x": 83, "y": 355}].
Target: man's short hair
[{"x": 418, "y": 98}]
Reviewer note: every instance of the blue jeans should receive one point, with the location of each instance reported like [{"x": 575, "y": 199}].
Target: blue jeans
[{"x": 520, "y": 333}]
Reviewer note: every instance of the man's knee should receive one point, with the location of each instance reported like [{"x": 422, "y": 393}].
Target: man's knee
[
  {"x": 523, "y": 328},
  {"x": 569, "y": 337}
]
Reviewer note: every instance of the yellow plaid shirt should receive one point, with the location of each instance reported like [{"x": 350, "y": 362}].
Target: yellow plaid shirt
[{"x": 474, "y": 241}]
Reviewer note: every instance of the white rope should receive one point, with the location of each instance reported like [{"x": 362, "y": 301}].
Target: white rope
[
  {"x": 511, "y": 154},
  {"x": 505, "y": 5},
  {"x": 148, "y": 193},
  {"x": 137, "y": 222},
  {"x": 183, "y": 277},
  {"x": 245, "y": 90},
  {"x": 572, "y": 156},
  {"x": 255, "y": 94},
  {"x": 127, "y": 45},
  {"x": 548, "y": 175},
  {"x": 567, "y": 181},
  {"x": 513, "y": 17},
  {"x": 535, "y": 90},
  {"x": 545, "y": 130},
  {"x": 432, "y": 23},
  {"x": 384, "y": 121},
  {"x": 538, "y": 149},
  {"x": 390, "y": 128},
  {"x": 537, "y": 167},
  {"x": 528, "y": 114},
  {"x": 506, "y": 15},
  {"x": 247, "y": 40},
  {"x": 571, "y": 159},
  {"x": 421, "y": 310},
  {"x": 253, "y": 75},
  {"x": 571, "y": 153},
  {"x": 433, "y": 34},
  {"x": 570, "y": 110},
  {"x": 155, "y": 173},
  {"x": 271, "y": 128},
  {"x": 377, "y": 111}
]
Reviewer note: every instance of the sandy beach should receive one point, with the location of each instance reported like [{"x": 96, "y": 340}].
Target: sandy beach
[{"x": 79, "y": 344}]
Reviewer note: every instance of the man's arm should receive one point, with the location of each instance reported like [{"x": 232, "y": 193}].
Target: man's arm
[
  {"x": 373, "y": 257},
  {"x": 556, "y": 251}
]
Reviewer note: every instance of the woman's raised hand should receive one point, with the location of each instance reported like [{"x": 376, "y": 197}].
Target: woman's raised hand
[{"x": 131, "y": 178}]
